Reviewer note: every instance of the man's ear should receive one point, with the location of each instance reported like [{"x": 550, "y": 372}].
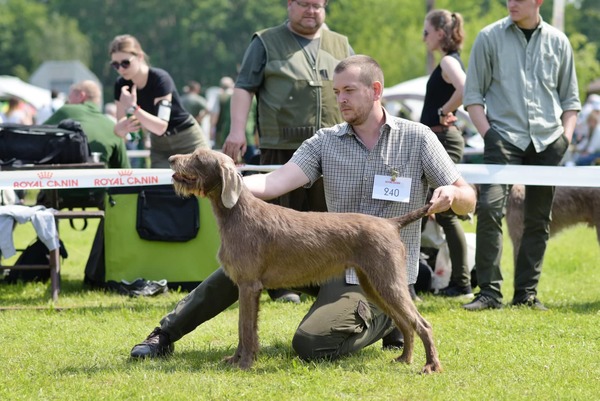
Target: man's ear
[{"x": 377, "y": 90}]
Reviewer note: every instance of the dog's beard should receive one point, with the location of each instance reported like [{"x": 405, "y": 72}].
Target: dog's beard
[{"x": 185, "y": 185}]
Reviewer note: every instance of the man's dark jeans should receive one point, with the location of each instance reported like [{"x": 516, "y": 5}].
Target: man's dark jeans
[{"x": 491, "y": 209}]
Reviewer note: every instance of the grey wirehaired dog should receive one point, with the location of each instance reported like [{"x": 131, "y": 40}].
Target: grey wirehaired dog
[
  {"x": 268, "y": 246},
  {"x": 572, "y": 205}
]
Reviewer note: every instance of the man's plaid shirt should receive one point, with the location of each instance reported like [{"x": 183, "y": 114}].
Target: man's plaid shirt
[{"x": 349, "y": 168}]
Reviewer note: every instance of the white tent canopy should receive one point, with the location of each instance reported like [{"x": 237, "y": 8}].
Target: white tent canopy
[
  {"x": 34, "y": 95},
  {"x": 412, "y": 89},
  {"x": 410, "y": 94},
  {"x": 59, "y": 75}
]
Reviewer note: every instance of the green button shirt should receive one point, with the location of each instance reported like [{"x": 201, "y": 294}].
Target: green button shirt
[{"x": 525, "y": 86}]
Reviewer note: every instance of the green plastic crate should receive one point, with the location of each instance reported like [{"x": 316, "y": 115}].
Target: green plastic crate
[{"x": 129, "y": 257}]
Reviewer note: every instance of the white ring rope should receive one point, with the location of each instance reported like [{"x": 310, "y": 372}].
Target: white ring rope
[{"x": 588, "y": 176}]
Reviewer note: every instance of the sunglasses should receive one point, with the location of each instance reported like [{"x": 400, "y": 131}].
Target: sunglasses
[{"x": 123, "y": 64}]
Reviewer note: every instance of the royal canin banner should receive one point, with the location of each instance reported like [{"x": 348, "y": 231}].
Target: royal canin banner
[
  {"x": 78, "y": 178},
  {"x": 94, "y": 178}
]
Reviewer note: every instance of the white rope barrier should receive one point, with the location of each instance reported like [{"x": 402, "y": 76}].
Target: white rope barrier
[
  {"x": 588, "y": 176},
  {"x": 584, "y": 176}
]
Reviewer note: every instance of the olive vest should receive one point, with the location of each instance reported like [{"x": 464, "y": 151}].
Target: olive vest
[{"x": 297, "y": 96}]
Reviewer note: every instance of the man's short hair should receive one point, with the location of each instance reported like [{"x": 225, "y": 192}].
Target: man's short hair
[
  {"x": 370, "y": 70},
  {"x": 90, "y": 88}
]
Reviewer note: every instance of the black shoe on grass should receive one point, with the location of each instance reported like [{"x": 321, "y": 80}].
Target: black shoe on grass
[
  {"x": 482, "y": 302},
  {"x": 393, "y": 341},
  {"x": 455, "y": 291},
  {"x": 283, "y": 295},
  {"x": 157, "y": 344},
  {"x": 531, "y": 302}
]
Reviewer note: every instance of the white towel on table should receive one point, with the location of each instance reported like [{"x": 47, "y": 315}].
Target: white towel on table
[{"x": 41, "y": 218}]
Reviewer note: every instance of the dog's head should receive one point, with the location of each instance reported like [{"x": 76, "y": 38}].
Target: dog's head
[{"x": 207, "y": 173}]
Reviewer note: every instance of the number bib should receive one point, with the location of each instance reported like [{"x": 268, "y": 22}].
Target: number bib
[{"x": 395, "y": 189}]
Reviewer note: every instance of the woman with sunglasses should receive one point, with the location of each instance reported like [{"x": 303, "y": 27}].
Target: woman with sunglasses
[
  {"x": 443, "y": 33},
  {"x": 147, "y": 98}
]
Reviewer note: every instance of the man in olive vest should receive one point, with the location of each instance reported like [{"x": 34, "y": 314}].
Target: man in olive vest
[{"x": 289, "y": 68}]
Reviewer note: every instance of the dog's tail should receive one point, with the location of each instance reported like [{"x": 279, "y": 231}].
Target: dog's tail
[{"x": 415, "y": 215}]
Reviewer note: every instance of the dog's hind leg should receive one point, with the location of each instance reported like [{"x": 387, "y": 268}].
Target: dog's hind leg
[
  {"x": 425, "y": 332},
  {"x": 403, "y": 324},
  {"x": 397, "y": 304},
  {"x": 411, "y": 317},
  {"x": 247, "y": 325}
]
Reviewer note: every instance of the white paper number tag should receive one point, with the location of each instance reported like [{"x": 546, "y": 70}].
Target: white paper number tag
[{"x": 397, "y": 190}]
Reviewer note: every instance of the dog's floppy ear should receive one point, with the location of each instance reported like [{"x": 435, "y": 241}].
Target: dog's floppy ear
[{"x": 232, "y": 185}]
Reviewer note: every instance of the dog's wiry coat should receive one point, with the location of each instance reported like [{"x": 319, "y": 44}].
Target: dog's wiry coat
[
  {"x": 268, "y": 246},
  {"x": 572, "y": 205}
]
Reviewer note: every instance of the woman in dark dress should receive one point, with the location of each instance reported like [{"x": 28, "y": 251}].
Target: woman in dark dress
[{"x": 443, "y": 33}]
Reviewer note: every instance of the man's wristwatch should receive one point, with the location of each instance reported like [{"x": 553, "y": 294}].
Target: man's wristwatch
[{"x": 441, "y": 112}]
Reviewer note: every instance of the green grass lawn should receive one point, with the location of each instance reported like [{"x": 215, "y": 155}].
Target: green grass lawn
[{"x": 78, "y": 348}]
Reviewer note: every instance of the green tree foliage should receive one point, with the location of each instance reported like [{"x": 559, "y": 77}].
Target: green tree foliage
[
  {"x": 586, "y": 63},
  {"x": 191, "y": 39},
  {"x": 206, "y": 39},
  {"x": 395, "y": 37},
  {"x": 584, "y": 16},
  {"x": 392, "y": 37},
  {"x": 29, "y": 36}
]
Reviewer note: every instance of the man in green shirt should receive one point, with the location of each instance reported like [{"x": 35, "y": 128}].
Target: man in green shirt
[{"x": 84, "y": 106}]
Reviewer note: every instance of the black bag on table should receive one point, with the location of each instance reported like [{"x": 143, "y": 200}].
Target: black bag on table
[{"x": 64, "y": 143}]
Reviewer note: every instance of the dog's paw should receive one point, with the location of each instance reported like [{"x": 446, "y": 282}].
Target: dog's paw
[
  {"x": 433, "y": 367},
  {"x": 246, "y": 363},
  {"x": 232, "y": 360},
  {"x": 240, "y": 360},
  {"x": 404, "y": 358}
]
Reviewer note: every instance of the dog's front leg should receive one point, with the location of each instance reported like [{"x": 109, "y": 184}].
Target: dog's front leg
[{"x": 247, "y": 325}]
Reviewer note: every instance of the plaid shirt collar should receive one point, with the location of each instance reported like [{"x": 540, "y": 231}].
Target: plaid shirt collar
[{"x": 348, "y": 130}]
